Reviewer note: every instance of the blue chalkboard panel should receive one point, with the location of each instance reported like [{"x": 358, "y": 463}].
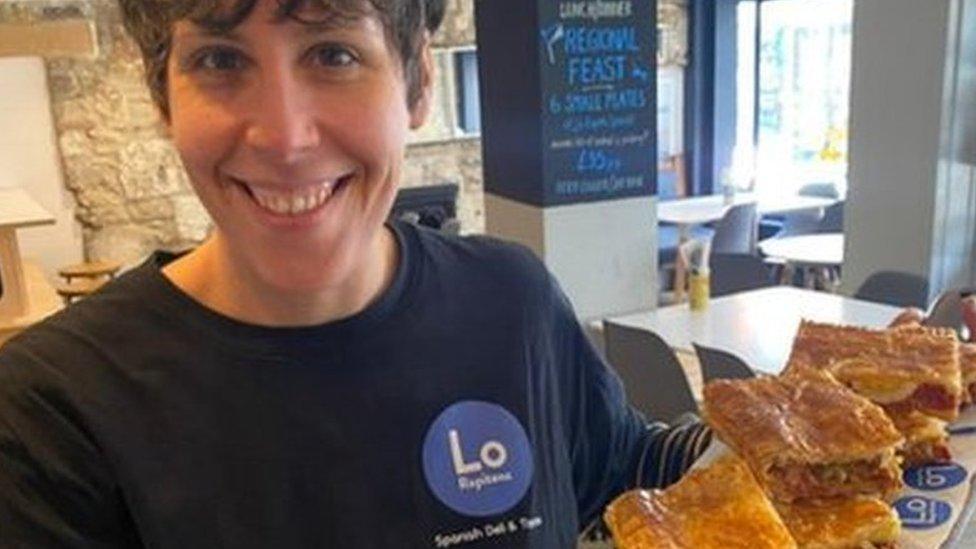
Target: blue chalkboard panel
[{"x": 568, "y": 99}]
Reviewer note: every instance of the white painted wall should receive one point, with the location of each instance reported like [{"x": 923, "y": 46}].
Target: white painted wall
[
  {"x": 910, "y": 204},
  {"x": 29, "y": 159},
  {"x": 604, "y": 254}
]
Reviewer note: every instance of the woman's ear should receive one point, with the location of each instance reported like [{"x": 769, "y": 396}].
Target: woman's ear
[
  {"x": 165, "y": 125},
  {"x": 421, "y": 106},
  {"x": 161, "y": 103}
]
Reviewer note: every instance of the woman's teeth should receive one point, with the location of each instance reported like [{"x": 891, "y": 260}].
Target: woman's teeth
[{"x": 292, "y": 203}]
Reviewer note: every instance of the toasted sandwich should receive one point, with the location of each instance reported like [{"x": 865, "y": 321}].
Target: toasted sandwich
[
  {"x": 912, "y": 371},
  {"x": 967, "y": 363},
  {"x": 905, "y": 368},
  {"x": 805, "y": 435},
  {"x": 927, "y": 440},
  {"x": 720, "y": 506},
  {"x": 852, "y": 523}
]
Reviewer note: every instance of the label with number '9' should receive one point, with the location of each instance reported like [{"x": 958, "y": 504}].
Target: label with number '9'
[
  {"x": 935, "y": 477},
  {"x": 922, "y": 513}
]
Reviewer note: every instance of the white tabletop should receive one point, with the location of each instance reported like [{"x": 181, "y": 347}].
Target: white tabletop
[
  {"x": 824, "y": 249},
  {"x": 705, "y": 209},
  {"x": 758, "y": 325},
  {"x": 18, "y": 209}
]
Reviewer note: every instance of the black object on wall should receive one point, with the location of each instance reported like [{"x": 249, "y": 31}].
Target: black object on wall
[
  {"x": 568, "y": 103},
  {"x": 433, "y": 206}
]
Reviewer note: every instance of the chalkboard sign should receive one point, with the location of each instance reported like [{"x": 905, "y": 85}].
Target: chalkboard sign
[{"x": 585, "y": 80}]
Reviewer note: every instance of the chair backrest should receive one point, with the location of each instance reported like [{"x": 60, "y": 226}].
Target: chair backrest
[
  {"x": 719, "y": 364},
  {"x": 895, "y": 288},
  {"x": 735, "y": 233},
  {"x": 824, "y": 189},
  {"x": 833, "y": 219},
  {"x": 731, "y": 273},
  {"x": 946, "y": 310},
  {"x": 655, "y": 382},
  {"x": 797, "y": 223}
]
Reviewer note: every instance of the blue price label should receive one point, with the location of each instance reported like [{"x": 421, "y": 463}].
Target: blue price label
[
  {"x": 922, "y": 513},
  {"x": 935, "y": 477}
]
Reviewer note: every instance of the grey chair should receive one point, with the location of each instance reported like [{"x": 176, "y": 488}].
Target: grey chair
[
  {"x": 946, "y": 310},
  {"x": 719, "y": 364},
  {"x": 807, "y": 222},
  {"x": 731, "y": 273},
  {"x": 895, "y": 288},
  {"x": 824, "y": 189},
  {"x": 736, "y": 232},
  {"x": 652, "y": 375},
  {"x": 796, "y": 224},
  {"x": 832, "y": 220}
]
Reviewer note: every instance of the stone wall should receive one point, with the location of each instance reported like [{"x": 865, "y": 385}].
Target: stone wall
[
  {"x": 131, "y": 191},
  {"x": 439, "y": 152},
  {"x": 132, "y": 194}
]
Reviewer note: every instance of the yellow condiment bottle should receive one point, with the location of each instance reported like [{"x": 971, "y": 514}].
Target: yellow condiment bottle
[{"x": 698, "y": 289}]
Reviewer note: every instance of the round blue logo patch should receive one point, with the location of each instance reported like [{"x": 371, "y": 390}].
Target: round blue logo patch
[
  {"x": 935, "y": 477},
  {"x": 921, "y": 513},
  {"x": 477, "y": 458}
]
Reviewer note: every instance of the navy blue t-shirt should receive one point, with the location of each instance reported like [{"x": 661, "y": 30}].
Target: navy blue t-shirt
[{"x": 464, "y": 408}]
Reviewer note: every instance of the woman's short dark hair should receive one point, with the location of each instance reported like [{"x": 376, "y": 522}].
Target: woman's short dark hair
[{"x": 150, "y": 23}]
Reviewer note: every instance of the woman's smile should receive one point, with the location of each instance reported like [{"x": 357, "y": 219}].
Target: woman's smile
[{"x": 291, "y": 200}]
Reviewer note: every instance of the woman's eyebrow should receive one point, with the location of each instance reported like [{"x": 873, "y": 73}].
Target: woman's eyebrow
[
  {"x": 326, "y": 24},
  {"x": 330, "y": 24},
  {"x": 202, "y": 31},
  {"x": 328, "y": 20}
]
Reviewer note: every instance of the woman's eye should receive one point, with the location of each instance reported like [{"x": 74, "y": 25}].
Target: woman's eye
[
  {"x": 331, "y": 55},
  {"x": 219, "y": 60}
]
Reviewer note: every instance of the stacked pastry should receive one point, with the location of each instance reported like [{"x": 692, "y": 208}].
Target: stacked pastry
[
  {"x": 811, "y": 458},
  {"x": 913, "y": 372},
  {"x": 824, "y": 454},
  {"x": 721, "y": 505},
  {"x": 967, "y": 363},
  {"x": 821, "y": 445}
]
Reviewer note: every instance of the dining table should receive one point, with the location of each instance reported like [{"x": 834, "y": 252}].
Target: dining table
[
  {"x": 25, "y": 296},
  {"x": 756, "y": 325},
  {"x": 807, "y": 250},
  {"x": 818, "y": 256},
  {"x": 687, "y": 213}
]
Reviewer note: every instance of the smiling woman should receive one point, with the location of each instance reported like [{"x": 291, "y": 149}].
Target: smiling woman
[
  {"x": 292, "y": 134},
  {"x": 311, "y": 376}
]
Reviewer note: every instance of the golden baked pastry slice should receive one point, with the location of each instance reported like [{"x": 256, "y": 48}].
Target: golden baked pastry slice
[
  {"x": 806, "y": 436},
  {"x": 926, "y": 438},
  {"x": 720, "y": 506},
  {"x": 852, "y": 523},
  {"x": 914, "y": 372},
  {"x": 967, "y": 363},
  {"x": 909, "y": 367}
]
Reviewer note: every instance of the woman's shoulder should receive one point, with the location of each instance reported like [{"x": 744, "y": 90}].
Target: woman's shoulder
[
  {"x": 93, "y": 322},
  {"x": 483, "y": 253}
]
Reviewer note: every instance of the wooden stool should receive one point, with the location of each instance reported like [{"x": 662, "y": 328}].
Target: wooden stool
[
  {"x": 90, "y": 270},
  {"x": 69, "y": 291}
]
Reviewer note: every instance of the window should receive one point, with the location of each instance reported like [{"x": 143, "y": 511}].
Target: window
[
  {"x": 468, "y": 104},
  {"x": 669, "y": 111},
  {"x": 793, "y": 84}
]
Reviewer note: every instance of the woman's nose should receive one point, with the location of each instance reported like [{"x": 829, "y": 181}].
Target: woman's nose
[{"x": 283, "y": 124}]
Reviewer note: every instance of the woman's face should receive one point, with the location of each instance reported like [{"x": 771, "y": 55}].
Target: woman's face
[{"x": 293, "y": 138}]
